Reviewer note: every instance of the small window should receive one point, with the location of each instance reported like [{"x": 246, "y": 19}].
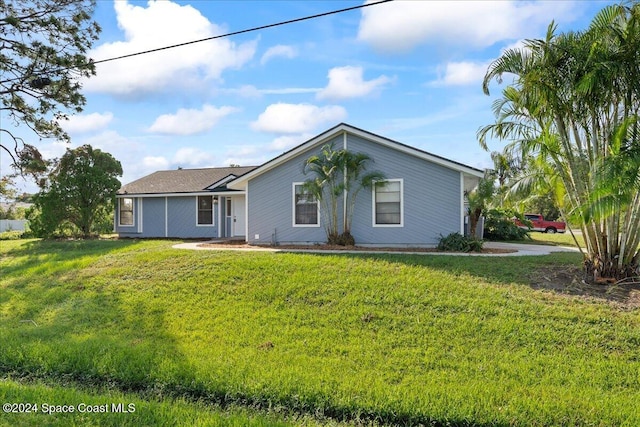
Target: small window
[
  {"x": 205, "y": 210},
  {"x": 126, "y": 211},
  {"x": 305, "y": 207},
  {"x": 387, "y": 203}
]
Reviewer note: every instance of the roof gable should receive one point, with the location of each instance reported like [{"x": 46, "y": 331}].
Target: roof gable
[{"x": 322, "y": 138}]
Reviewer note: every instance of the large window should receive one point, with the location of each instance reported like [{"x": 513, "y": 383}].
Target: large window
[
  {"x": 205, "y": 210},
  {"x": 387, "y": 204},
  {"x": 305, "y": 207},
  {"x": 126, "y": 211}
]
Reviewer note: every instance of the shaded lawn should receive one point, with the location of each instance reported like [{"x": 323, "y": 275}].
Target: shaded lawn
[
  {"x": 385, "y": 338},
  {"x": 106, "y": 407}
]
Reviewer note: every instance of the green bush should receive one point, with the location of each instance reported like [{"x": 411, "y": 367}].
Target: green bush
[
  {"x": 456, "y": 242},
  {"x": 498, "y": 225},
  {"x": 11, "y": 235}
]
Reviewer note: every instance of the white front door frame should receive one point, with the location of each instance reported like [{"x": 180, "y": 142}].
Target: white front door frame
[{"x": 238, "y": 214}]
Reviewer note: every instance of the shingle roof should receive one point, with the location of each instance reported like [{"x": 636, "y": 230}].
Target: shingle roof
[{"x": 181, "y": 180}]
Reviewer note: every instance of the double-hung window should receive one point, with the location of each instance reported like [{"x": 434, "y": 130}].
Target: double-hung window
[
  {"x": 387, "y": 203},
  {"x": 205, "y": 210},
  {"x": 305, "y": 207},
  {"x": 125, "y": 216}
]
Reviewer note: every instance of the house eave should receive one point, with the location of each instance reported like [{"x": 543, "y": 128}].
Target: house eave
[
  {"x": 240, "y": 182},
  {"x": 184, "y": 194}
]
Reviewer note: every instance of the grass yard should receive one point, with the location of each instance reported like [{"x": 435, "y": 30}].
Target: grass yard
[
  {"x": 558, "y": 239},
  {"x": 288, "y": 339},
  {"x": 113, "y": 408}
]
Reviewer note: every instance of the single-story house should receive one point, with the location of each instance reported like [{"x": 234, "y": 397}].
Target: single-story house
[{"x": 422, "y": 200}]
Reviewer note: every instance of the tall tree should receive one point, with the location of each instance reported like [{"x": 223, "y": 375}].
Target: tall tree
[
  {"x": 326, "y": 186},
  {"x": 43, "y": 47},
  {"x": 572, "y": 109},
  {"x": 356, "y": 178},
  {"x": 81, "y": 188}
]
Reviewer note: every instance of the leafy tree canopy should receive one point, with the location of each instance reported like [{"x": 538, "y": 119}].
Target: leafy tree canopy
[
  {"x": 572, "y": 121},
  {"x": 80, "y": 190},
  {"x": 43, "y": 47}
]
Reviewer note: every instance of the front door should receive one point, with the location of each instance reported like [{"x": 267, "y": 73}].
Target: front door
[
  {"x": 238, "y": 216},
  {"x": 228, "y": 218}
]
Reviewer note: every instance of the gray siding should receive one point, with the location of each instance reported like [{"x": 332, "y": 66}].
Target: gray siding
[
  {"x": 270, "y": 202},
  {"x": 431, "y": 200},
  {"x": 153, "y": 217},
  {"x": 182, "y": 212},
  {"x": 182, "y": 218}
]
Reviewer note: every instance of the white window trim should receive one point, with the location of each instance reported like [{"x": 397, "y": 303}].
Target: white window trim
[
  {"x": 133, "y": 212},
  {"x": 293, "y": 209},
  {"x": 213, "y": 216},
  {"x": 373, "y": 204}
]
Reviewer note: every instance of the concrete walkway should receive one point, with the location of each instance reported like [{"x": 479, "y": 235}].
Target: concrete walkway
[{"x": 520, "y": 249}]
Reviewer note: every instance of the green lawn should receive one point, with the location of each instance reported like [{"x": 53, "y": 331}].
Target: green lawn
[
  {"x": 46, "y": 405},
  {"x": 391, "y": 339},
  {"x": 559, "y": 239}
]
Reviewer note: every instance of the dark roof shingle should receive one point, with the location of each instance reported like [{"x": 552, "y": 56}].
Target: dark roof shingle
[{"x": 181, "y": 180}]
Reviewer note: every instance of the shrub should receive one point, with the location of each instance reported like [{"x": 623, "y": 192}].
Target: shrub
[
  {"x": 456, "y": 242},
  {"x": 11, "y": 235},
  {"x": 343, "y": 239},
  {"x": 498, "y": 225}
]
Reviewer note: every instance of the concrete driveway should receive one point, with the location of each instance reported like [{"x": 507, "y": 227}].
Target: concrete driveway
[{"x": 528, "y": 249}]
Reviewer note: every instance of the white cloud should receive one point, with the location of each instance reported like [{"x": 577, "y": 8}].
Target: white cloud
[
  {"x": 163, "y": 23},
  {"x": 297, "y": 118},
  {"x": 400, "y": 26},
  {"x": 285, "y": 142},
  {"x": 250, "y": 91},
  {"x": 462, "y": 73},
  {"x": 190, "y": 121},
  {"x": 280, "y": 50},
  {"x": 347, "y": 82},
  {"x": 192, "y": 157},
  {"x": 519, "y": 44},
  {"x": 83, "y": 123},
  {"x": 155, "y": 163}
]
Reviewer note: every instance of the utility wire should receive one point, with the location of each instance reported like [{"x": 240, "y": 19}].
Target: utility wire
[{"x": 249, "y": 30}]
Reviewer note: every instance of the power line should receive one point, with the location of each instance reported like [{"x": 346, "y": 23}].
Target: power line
[{"x": 234, "y": 33}]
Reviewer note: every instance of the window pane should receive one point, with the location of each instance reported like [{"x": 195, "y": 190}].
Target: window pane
[
  {"x": 205, "y": 217},
  {"x": 205, "y": 202},
  {"x": 387, "y": 203},
  {"x": 388, "y": 208},
  {"x": 390, "y": 218},
  {"x": 306, "y": 207},
  {"x": 126, "y": 211},
  {"x": 389, "y": 187},
  {"x": 306, "y": 213},
  {"x": 388, "y": 197},
  {"x": 205, "y": 210},
  {"x": 126, "y": 218}
]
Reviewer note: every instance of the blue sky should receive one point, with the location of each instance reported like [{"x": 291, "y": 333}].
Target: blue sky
[{"x": 407, "y": 70}]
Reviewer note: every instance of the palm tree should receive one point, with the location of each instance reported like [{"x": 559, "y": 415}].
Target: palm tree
[
  {"x": 326, "y": 186},
  {"x": 572, "y": 112},
  {"x": 356, "y": 178},
  {"x": 479, "y": 200},
  {"x": 339, "y": 173}
]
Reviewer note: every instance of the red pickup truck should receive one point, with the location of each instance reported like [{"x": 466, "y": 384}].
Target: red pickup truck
[{"x": 540, "y": 224}]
